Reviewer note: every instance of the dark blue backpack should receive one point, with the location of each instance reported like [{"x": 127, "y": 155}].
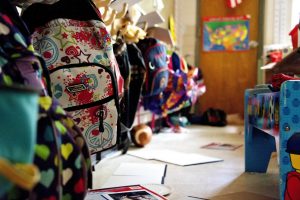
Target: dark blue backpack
[{"x": 157, "y": 74}]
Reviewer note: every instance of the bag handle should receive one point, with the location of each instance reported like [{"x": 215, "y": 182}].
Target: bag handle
[{"x": 24, "y": 175}]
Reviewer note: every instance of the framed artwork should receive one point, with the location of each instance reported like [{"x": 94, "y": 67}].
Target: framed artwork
[{"x": 226, "y": 33}]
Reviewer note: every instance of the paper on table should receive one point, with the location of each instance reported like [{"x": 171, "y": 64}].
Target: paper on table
[
  {"x": 141, "y": 169},
  {"x": 117, "y": 181},
  {"x": 136, "y": 174},
  {"x": 174, "y": 157},
  {"x": 144, "y": 153}
]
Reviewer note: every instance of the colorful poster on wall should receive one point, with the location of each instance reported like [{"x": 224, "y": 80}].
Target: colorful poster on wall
[{"x": 226, "y": 33}]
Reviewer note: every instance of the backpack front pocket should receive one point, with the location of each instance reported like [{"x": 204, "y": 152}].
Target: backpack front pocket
[{"x": 88, "y": 92}]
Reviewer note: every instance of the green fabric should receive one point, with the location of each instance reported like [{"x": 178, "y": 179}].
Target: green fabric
[{"x": 18, "y": 122}]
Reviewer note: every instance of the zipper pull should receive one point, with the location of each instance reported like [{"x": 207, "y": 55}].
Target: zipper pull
[{"x": 101, "y": 115}]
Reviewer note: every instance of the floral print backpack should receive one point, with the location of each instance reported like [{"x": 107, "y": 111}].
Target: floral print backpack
[{"x": 84, "y": 74}]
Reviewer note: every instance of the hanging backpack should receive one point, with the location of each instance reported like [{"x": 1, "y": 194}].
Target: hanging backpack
[
  {"x": 121, "y": 54},
  {"x": 157, "y": 74},
  {"x": 175, "y": 95},
  {"x": 84, "y": 73},
  {"x": 120, "y": 51},
  {"x": 132, "y": 67},
  {"x": 57, "y": 147},
  {"x": 137, "y": 78}
]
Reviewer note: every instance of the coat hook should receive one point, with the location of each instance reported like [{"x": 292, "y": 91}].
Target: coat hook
[{"x": 111, "y": 18}]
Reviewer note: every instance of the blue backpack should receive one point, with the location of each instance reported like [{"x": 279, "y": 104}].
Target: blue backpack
[{"x": 157, "y": 74}]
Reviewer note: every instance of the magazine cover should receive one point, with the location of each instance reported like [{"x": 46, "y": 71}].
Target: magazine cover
[{"x": 134, "y": 192}]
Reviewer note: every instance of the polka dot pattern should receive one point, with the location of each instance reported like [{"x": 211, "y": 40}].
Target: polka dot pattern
[
  {"x": 296, "y": 102},
  {"x": 279, "y": 114},
  {"x": 289, "y": 124},
  {"x": 286, "y": 111},
  {"x": 296, "y": 86},
  {"x": 288, "y": 93}
]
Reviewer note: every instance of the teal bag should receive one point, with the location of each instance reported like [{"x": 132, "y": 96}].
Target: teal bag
[
  {"x": 18, "y": 107},
  {"x": 18, "y": 122}
]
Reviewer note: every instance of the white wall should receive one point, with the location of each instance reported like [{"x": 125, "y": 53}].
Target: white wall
[
  {"x": 184, "y": 13},
  {"x": 150, "y": 5},
  {"x": 185, "y": 19}
]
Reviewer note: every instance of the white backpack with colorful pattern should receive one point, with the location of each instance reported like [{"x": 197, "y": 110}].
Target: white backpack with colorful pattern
[{"x": 84, "y": 74}]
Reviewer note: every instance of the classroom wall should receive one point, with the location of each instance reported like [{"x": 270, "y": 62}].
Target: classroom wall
[
  {"x": 184, "y": 13},
  {"x": 186, "y": 28}
]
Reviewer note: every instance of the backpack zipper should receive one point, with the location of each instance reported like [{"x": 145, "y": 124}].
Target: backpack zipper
[{"x": 101, "y": 118}]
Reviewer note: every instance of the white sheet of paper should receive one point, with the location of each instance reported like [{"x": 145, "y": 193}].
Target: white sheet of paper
[
  {"x": 140, "y": 169},
  {"x": 144, "y": 153},
  {"x": 177, "y": 158},
  {"x": 136, "y": 174},
  {"x": 116, "y": 181}
]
